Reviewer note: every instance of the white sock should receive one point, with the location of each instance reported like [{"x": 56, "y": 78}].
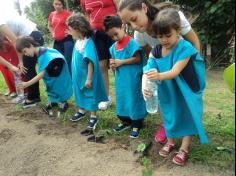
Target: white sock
[
  {"x": 93, "y": 116},
  {"x": 81, "y": 111}
]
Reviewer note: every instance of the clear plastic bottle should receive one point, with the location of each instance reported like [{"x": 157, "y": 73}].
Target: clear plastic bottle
[
  {"x": 19, "y": 91},
  {"x": 152, "y": 100}
]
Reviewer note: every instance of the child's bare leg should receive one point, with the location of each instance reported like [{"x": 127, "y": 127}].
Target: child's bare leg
[
  {"x": 93, "y": 113},
  {"x": 182, "y": 156},
  {"x": 170, "y": 141},
  {"x": 168, "y": 147},
  {"x": 186, "y": 143}
]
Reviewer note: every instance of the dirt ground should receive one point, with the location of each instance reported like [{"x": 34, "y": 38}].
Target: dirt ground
[{"x": 32, "y": 144}]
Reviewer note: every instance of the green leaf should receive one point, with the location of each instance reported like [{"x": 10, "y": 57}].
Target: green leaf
[
  {"x": 141, "y": 147},
  {"x": 213, "y": 9}
]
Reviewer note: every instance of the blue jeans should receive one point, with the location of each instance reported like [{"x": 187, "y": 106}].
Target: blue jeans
[{"x": 65, "y": 47}]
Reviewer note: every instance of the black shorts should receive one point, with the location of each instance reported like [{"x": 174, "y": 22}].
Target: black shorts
[{"x": 102, "y": 42}]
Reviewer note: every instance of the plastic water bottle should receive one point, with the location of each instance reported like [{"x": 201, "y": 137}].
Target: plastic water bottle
[
  {"x": 19, "y": 91},
  {"x": 152, "y": 100}
]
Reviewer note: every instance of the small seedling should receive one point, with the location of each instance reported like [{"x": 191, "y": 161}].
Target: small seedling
[{"x": 141, "y": 147}]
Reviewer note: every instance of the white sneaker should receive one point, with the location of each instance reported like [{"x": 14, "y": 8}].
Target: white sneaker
[
  {"x": 104, "y": 105},
  {"x": 18, "y": 100}
]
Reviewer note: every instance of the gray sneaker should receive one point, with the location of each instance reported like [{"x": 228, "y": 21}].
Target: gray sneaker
[{"x": 18, "y": 100}]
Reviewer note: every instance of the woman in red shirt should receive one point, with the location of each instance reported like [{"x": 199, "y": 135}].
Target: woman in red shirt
[
  {"x": 8, "y": 52},
  {"x": 57, "y": 26},
  {"x": 97, "y": 11}
]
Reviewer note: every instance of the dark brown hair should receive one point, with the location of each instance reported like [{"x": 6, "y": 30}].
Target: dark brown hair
[
  {"x": 112, "y": 21},
  {"x": 152, "y": 9},
  {"x": 166, "y": 20},
  {"x": 80, "y": 23},
  {"x": 62, "y": 1},
  {"x": 25, "y": 42}
]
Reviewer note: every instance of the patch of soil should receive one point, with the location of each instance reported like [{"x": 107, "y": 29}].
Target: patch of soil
[
  {"x": 5, "y": 135},
  {"x": 31, "y": 144}
]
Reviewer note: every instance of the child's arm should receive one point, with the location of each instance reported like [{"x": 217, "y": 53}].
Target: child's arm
[
  {"x": 89, "y": 75},
  {"x": 132, "y": 60},
  {"x": 175, "y": 71},
  {"x": 21, "y": 65},
  {"x": 32, "y": 81}
]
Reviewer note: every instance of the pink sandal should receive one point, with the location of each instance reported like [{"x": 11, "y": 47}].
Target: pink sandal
[
  {"x": 181, "y": 158},
  {"x": 160, "y": 135},
  {"x": 166, "y": 150}
]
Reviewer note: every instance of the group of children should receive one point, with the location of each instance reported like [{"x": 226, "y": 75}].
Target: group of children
[{"x": 177, "y": 64}]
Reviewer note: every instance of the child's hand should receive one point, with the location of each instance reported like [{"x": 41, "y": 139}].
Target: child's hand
[
  {"x": 146, "y": 94},
  {"x": 88, "y": 83},
  {"x": 23, "y": 85},
  {"x": 22, "y": 68},
  {"x": 112, "y": 64},
  {"x": 118, "y": 63},
  {"x": 152, "y": 74}
]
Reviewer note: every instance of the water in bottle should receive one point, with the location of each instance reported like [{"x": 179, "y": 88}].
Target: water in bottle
[
  {"x": 152, "y": 100},
  {"x": 20, "y": 92}
]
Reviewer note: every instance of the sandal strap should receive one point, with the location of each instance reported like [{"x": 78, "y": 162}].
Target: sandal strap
[
  {"x": 182, "y": 155},
  {"x": 168, "y": 147}
]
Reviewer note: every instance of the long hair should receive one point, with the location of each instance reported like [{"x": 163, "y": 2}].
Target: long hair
[
  {"x": 152, "y": 9},
  {"x": 80, "y": 23}
]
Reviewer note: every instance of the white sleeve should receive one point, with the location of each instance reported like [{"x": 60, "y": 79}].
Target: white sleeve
[
  {"x": 185, "y": 25},
  {"x": 139, "y": 39},
  {"x": 2, "y": 20}
]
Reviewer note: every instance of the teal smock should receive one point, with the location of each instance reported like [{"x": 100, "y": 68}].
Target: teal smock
[
  {"x": 181, "y": 108},
  {"x": 128, "y": 81},
  {"x": 85, "y": 98},
  {"x": 59, "y": 89}
]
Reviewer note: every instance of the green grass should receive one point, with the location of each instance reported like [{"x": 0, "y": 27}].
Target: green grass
[{"x": 219, "y": 120}]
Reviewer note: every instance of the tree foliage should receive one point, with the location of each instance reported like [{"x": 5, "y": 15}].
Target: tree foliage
[
  {"x": 38, "y": 12},
  {"x": 214, "y": 23}
]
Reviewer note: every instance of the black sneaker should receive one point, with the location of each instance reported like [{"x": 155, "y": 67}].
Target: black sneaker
[
  {"x": 78, "y": 116},
  {"x": 48, "y": 107},
  {"x": 92, "y": 123},
  {"x": 63, "y": 106},
  {"x": 30, "y": 104},
  {"x": 121, "y": 127}
]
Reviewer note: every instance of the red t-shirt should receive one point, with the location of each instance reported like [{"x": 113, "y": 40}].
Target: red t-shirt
[
  {"x": 57, "y": 20},
  {"x": 9, "y": 53},
  {"x": 97, "y": 10}
]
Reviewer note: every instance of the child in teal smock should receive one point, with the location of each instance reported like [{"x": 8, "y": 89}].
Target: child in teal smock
[
  {"x": 181, "y": 71},
  {"x": 52, "y": 69},
  {"x": 127, "y": 64},
  {"x": 88, "y": 85}
]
